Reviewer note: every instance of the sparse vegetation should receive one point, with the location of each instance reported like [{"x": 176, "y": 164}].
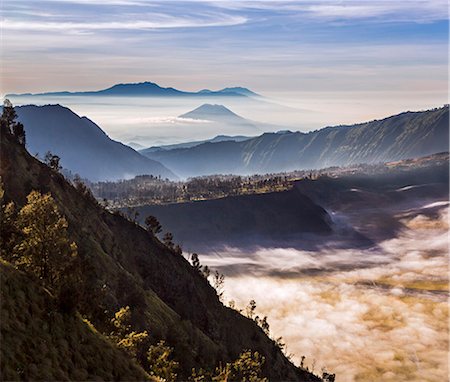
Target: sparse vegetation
[
  {"x": 147, "y": 189},
  {"x": 246, "y": 368}
]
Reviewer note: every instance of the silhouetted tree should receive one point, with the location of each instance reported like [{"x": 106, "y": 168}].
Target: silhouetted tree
[
  {"x": 280, "y": 344},
  {"x": 250, "y": 309},
  {"x": 178, "y": 250},
  {"x": 262, "y": 322},
  {"x": 153, "y": 225},
  {"x": 168, "y": 240},
  {"x": 9, "y": 124},
  {"x": 206, "y": 272},
  {"x": 195, "y": 262},
  {"x": 327, "y": 377},
  {"x": 218, "y": 284},
  {"x": 52, "y": 161}
]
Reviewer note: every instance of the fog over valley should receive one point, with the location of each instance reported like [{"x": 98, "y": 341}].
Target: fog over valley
[{"x": 378, "y": 314}]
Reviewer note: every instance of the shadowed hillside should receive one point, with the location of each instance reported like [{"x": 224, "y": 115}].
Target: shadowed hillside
[
  {"x": 84, "y": 148},
  {"x": 246, "y": 220},
  {"x": 124, "y": 265}
]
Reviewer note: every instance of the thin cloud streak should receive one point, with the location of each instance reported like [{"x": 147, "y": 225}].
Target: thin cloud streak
[
  {"x": 165, "y": 22},
  {"x": 382, "y": 10}
]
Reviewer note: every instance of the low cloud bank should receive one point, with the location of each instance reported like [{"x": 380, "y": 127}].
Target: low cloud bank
[{"x": 379, "y": 315}]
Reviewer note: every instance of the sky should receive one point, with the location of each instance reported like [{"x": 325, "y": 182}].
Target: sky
[{"x": 385, "y": 55}]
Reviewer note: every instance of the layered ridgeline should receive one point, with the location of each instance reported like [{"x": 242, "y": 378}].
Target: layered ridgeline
[
  {"x": 184, "y": 145},
  {"x": 149, "y": 89},
  {"x": 83, "y": 147},
  {"x": 407, "y": 135},
  {"x": 121, "y": 264}
]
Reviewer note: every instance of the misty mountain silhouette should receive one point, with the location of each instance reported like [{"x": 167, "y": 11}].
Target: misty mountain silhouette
[{"x": 147, "y": 88}]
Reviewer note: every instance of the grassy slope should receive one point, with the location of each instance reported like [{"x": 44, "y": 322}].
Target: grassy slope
[
  {"x": 40, "y": 343},
  {"x": 168, "y": 297}
]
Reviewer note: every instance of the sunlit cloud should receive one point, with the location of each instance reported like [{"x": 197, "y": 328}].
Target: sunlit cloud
[{"x": 385, "y": 319}]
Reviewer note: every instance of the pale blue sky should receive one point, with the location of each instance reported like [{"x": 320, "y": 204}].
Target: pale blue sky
[{"x": 307, "y": 49}]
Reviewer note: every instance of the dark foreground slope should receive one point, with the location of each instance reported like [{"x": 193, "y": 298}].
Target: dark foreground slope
[
  {"x": 84, "y": 148},
  {"x": 246, "y": 220},
  {"x": 403, "y": 136},
  {"x": 124, "y": 265},
  {"x": 38, "y": 342}
]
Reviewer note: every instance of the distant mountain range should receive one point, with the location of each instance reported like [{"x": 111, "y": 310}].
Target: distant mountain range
[
  {"x": 406, "y": 135},
  {"x": 149, "y": 89},
  {"x": 84, "y": 148}
]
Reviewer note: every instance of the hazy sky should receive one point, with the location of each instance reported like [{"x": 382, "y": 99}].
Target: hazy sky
[{"x": 380, "y": 50}]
